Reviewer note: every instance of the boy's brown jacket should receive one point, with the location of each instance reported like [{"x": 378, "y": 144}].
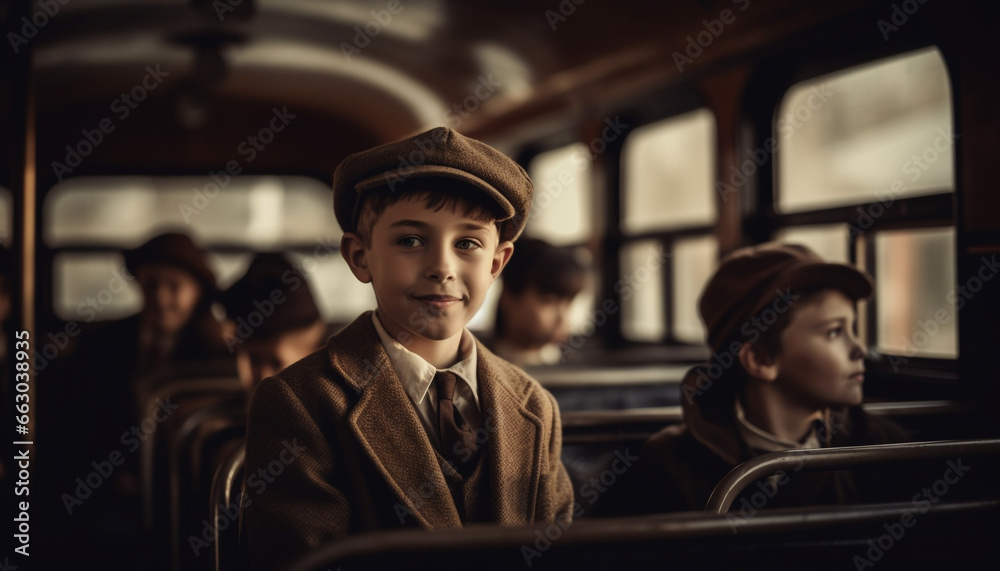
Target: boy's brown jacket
[{"x": 334, "y": 446}]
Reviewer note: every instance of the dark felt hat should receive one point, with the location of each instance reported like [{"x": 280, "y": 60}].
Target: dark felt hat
[
  {"x": 175, "y": 249},
  {"x": 750, "y": 279},
  {"x": 442, "y": 153},
  {"x": 272, "y": 283}
]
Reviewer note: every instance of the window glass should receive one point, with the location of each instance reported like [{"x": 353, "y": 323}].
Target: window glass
[
  {"x": 561, "y": 210},
  {"x": 667, "y": 172},
  {"x": 829, "y": 241},
  {"x": 485, "y": 319},
  {"x": 641, "y": 290},
  {"x": 339, "y": 295},
  {"x": 264, "y": 213},
  {"x": 260, "y": 211},
  {"x": 94, "y": 287},
  {"x": 694, "y": 261},
  {"x": 915, "y": 275},
  {"x": 874, "y": 132}
]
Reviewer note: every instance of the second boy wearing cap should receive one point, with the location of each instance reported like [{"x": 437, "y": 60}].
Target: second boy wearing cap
[
  {"x": 404, "y": 418},
  {"x": 787, "y": 371},
  {"x": 277, "y": 320}
]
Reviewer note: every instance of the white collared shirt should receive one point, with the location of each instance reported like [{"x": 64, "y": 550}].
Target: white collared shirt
[
  {"x": 417, "y": 377},
  {"x": 763, "y": 441}
]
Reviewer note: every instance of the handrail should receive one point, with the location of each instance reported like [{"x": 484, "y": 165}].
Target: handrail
[
  {"x": 606, "y": 531},
  {"x": 838, "y": 458},
  {"x": 673, "y": 414}
]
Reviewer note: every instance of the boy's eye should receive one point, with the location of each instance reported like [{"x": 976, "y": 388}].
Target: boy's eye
[
  {"x": 409, "y": 242},
  {"x": 466, "y": 244},
  {"x": 834, "y": 333}
]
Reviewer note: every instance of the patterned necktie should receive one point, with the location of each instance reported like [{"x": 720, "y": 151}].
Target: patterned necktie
[{"x": 458, "y": 443}]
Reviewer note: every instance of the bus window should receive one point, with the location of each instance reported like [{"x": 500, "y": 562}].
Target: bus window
[
  {"x": 640, "y": 287},
  {"x": 668, "y": 173},
  {"x": 561, "y": 214},
  {"x": 873, "y": 143},
  {"x": 916, "y": 294},
  {"x": 828, "y": 240},
  {"x": 339, "y": 295},
  {"x": 99, "y": 216},
  {"x": 561, "y": 210},
  {"x": 849, "y": 136},
  {"x": 669, "y": 249},
  {"x": 694, "y": 261}
]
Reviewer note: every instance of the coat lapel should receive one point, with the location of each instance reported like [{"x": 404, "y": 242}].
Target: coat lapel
[
  {"x": 388, "y": 429},
  {"x": 515, "y": 470}
]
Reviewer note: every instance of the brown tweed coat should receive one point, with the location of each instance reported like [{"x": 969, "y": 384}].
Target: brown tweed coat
[{"x": 334, "y": 446}]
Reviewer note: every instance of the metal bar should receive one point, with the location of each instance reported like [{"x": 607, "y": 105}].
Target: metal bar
[{"x": 836, "y": 459}]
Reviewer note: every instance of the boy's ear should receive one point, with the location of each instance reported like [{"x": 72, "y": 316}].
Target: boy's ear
[
  {"x": 501, "y": 257},
  {"x": 352, "y": 247},
  {"x": 757, "y": 364}
]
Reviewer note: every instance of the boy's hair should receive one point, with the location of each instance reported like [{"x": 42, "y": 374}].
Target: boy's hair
[
  {"x": 549, "y": 269},
  {"x": 540, "y": 266},
  {"x": 767, "y": 345},
  {"x": 436, "y": 193}
]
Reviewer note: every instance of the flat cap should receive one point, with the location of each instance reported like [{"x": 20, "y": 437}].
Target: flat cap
[
  {"x": 750, "y": 279},
  {"x": 173, "y": 249},
  {"x": 272, "y": 279},
  {"x": 442, "y": 153}
]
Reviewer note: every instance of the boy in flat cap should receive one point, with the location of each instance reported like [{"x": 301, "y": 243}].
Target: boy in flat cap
[
  {"x": 404, "y": 418},
  {"x": 786, "y": 372},
  {"x": 276, "y": 318}
]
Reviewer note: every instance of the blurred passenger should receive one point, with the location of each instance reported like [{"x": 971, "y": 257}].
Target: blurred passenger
[
  {"x": 175, "y": 324},
  {"x": 787, "y": 372},
  {"x": 99, "y": 416},
  {"x": 277, "y": 321},
  {"x": 539, "y": 284}
]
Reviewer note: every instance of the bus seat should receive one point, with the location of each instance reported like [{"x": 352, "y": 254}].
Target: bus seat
[
  {"x": 226, "y": 492},
  {"x": 595, "y": 442},
  {"x": 191, "y": 467}
]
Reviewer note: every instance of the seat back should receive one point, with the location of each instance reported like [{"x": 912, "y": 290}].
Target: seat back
[
  {"x": 946, "y": 535},
  {"x": 227, "y": 493}
]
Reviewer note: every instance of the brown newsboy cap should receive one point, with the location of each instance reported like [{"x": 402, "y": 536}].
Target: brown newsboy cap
[
  {"x": 443, "y": 153},
  {"x": 750, "y": 279},
  {"x": 175, "y": 249},
  {"x": 293, "y": 305}
]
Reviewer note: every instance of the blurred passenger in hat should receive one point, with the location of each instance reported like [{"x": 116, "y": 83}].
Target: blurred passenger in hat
[
  {"x": 97, "y": 405},
  {"x": 539, "y": 284},
  {"x": 405, "y": 397},
  {"x": 276, "y": 318},
  {"x": 787, "y": 371}
]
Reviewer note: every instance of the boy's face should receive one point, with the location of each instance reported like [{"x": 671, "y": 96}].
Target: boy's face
[
  {"x": 266, "y": 357},
  {"x": 169, "y": 296},
  {"x": 430, "y": 269},
  {"x": 820, "y": 359},
  {"x": 535, "y": 319}
]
